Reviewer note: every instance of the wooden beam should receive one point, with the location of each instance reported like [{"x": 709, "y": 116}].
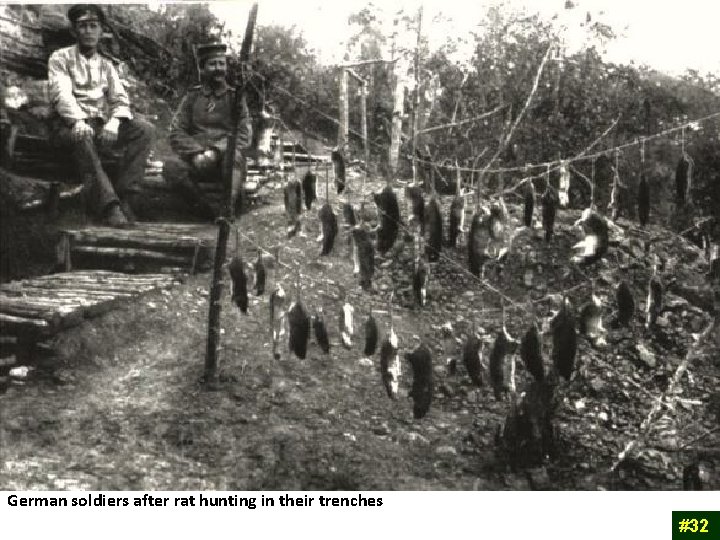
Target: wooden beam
[
  {"x": 355, "y": 75},
  {"x": 130, "y": 253},
  {"x": 18, "y": 325},
  {"x": 344, "y": 127},
  {"x": 366, "y": 142},
  {"x": 369, "y": 62}
]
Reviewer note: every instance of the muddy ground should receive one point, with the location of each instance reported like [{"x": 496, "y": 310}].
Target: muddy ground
[{"x": 119, "y": 404}]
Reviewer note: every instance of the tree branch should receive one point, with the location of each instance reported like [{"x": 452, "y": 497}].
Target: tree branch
[
  {"x": 462, "y": 122},
  {"x": 651, "y": 417},
  {"x": 506, "y": 140}
]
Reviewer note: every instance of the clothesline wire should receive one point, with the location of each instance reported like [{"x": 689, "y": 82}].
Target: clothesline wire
[
  {"x": 481, "y": 282},
  {"x": 548, "y": 166},
  {"x": 554, "y": 164}
]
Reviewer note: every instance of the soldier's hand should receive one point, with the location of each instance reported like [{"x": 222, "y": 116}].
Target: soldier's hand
[
  {"x": 213, "y": 156},
  {"x": 109, "y": 133},
  {"x": 221, "y": 145},
  {"x": 206, "y": 160},
  {"x": 81, "y": 130}
]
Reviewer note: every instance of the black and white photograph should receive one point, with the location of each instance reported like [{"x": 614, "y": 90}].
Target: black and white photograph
[{"x": 360, "y": 246}]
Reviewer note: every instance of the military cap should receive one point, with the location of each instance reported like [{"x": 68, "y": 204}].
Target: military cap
[
  {"x": 207, "y": 50},
  {"x": 82, "y": 10}
]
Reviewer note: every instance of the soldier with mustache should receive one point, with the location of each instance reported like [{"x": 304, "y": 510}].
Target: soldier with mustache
[{"x": 199, "y": 131}]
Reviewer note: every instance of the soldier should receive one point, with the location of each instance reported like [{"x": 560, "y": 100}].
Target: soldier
[
  {"x": 199, "y": 131},
  {"x": 93, "y": 117}
]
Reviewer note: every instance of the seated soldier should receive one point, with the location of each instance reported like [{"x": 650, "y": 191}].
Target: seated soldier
[
  {"x": 93, "y": 117},
  {"x": 199, "y": 131}
]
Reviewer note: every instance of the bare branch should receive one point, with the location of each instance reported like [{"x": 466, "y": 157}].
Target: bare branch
[
  {"x": 462, "y": 122},
  {"x": 506, "y": 140},
  {"x": 601, "y": 137}
]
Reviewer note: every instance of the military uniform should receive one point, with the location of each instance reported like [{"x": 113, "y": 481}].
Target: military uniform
[
  {"x": 202, "y": 122},
  {"x": 90, "y": 90}
]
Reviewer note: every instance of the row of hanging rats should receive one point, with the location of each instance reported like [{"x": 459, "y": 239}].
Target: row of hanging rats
[{"x": 486, "y": 227}]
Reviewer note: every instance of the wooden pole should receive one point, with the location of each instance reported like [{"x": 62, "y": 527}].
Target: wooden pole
[
  {"x": 366, "y": 142},
  {"x": 398, "y": 99},
  {"x": 396, "y": 135},
  {"x": 416, "y": 105},
  {"x": 213, "y": 340},
  {"x": 216, "y": 286},
  {"x": 344, "y": 128}
]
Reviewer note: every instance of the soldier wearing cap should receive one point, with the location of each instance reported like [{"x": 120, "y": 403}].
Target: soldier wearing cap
[
  {"x": 93, "y": 116},
  {"x": 199, "y": 131}
]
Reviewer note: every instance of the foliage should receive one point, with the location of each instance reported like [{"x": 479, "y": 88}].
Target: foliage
[
  {"x": 578, "y": 98},
  {"x": 288, "y": 81},
  {"x": 165, "y": 59}
]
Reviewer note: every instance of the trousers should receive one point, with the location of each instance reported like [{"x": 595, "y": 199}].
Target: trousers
[
  {"x": 184, "y": 179},
  {"x": 134, "y": 141}
]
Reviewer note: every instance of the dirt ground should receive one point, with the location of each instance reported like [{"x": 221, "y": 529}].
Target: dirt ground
[{"x": 120, "y": 405}]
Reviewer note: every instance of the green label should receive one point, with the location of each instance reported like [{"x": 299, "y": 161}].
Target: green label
[{"x": 698, "y": 525}]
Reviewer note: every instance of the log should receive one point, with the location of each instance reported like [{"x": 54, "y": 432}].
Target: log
[
  {"x": 52, "y": 317},
  {"x": 100, "y": 286},
  {"x": 93, "y": 304},
  {"x": 22, "y": 325},
  {"x": 117, "y": 290},
  {"x": 126, "y": 280},
  {"x": 53, "y": 300},
  {"x": 56, "y": 316},
  {"x": 187, "y": 228},
  {"x": 62, "y": 252},
  {"x": 108, "y": 234},
  {"x": 92, "y": 297},
  {"x": 90, "y": 293},
  {"x": 130, "y": 253},
  {"x": 155, "y": 243},
  {"x": 105, "y": 274}
]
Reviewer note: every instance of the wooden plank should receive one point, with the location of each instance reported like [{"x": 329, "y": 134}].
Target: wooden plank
[
  {"x": 107, "y": 279},
  {"x": 115, "y": 289},
  {"x": 87, "y": 296},
  {"x": 101, "y": 285},
  {"x": 22, "y": 325},
  {"x": 57, "y": 316},
  {"x": 109, "y": 282},
  {"x": 187, "y": 228},
  {"x": 53, "y": 300},
  {"x": 68, "y": 288},
  {"x": 93, "y": 303},
  {"x": 178, "y": 236},
  {"x": 104, "y": 274},
  {"x": 20, "y": 309},
  {"x": 146, "y": 241},
  {"x": 130, "y": 253},
  {"x": 62, "y": 252}
]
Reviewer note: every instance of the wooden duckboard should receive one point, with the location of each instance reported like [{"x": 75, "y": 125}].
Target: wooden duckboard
[
  {"x": 156, "y": 246},
  {"x": 45, "y": 305}
]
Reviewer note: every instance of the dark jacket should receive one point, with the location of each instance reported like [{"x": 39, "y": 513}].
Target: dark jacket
[{"x": 203, "y": 121}]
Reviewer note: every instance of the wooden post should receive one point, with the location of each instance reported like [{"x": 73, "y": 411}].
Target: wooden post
[
  {"x": 396, "y": 132},
  {"x": 416, "y": 104},
  {"x": 366, "y": 142},
  {"x": 216, "y": 287},
  {"x": 344, "y": 128}
]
